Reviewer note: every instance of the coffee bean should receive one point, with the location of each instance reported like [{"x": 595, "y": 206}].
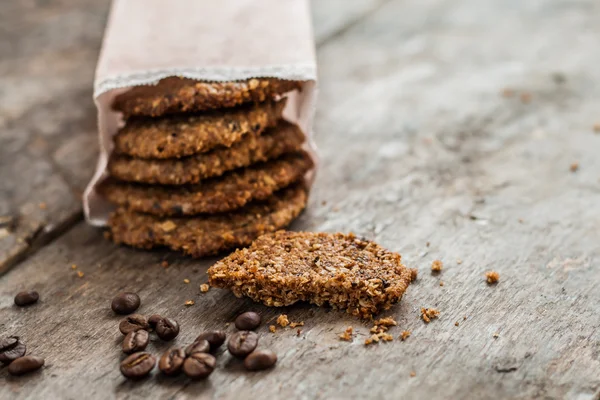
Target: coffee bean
[
  {"x": 247, "y": 321},
  {"x": 23, "y": 365},
  {"x": 26, "y": 298},
  {"x": 171, "y": 361},
  {"x": 125, "y": 303},
  {"x": 260, "y": 359},
  {"x": 135, "y": 341},
  {"x": 11, "y": 348},
  {"x": 199, "y": 365},
  {"x": 137, "y": 365},
  {"x": 214, "y": 338},
  {"x": 132, "y": 323},
  {"x": 242, "y": 343},
  {"x": 153, "y": 320},
  {"x": 167, "y": 329},
  {"x": 199, "y": 346}
]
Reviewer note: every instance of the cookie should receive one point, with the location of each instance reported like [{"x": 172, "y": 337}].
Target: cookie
[
  {"x": 253, "y": 148},
  {"x": 187, "y": 134},
  {"x": 229, "y": 192},
  {"x": 341, "y": 270},
  {"x": 210, "y": 234},
  {"x": 178, "y": 95}
]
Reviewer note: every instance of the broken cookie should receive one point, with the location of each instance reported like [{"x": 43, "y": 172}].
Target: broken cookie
[{"x": 337, "y": 269}]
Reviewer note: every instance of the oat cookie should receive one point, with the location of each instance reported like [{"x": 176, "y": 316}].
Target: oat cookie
[
  {"x": 226, "y": 193},
  {"x": 177, "y": 95},
  {"x": 187, "y": 134},
  {"x": 341, "y": 270},
  {"x": 208, "y": 234},
  {"x": 253, "y": 148}
]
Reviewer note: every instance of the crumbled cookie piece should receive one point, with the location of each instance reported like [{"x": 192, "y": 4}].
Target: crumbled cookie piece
[
  {"x": 525, "y": 97},
  {"x": 372, "y": 339},
  {"x": 347, "y": 335},
  {"x": 204, "y": 288},
  {"x": 186, "y": 281},
  {"x": 574, "y": 167},
  {"x": 427, "y": 314},
  {"x": 272, "y": 328},
  {"x": 283, "y": 320},
  {"x": 251, "y": 149},
  {"x": 189, "y": 303},
  {"x": 186, "y": 134},
  {"x": 413, "y": 374},
  {"x": 436, "y": 266},
  {"x": 226, "y": 193},
  {"x": 441, "y": 283},
  {"x": 209, "y": 234},
  {"x": 414, "y": 272},
  {"x": 492, "y": 277},
  {"x": 456, "y": 323},
  {"x": 404, "y": 335},
  {"x": 340, "y": 270},
  {"x": 164, "y": 264},
  {"x": 174, "y": 95},
  {"x": 296, "y": 324},
  {"x": 496, "y": 335}
]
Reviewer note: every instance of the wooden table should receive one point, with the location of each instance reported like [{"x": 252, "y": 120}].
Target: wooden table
[{"x": 447, "y": 130}]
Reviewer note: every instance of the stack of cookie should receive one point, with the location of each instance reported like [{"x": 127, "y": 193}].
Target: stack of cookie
[{"x": 204, "y": 167}]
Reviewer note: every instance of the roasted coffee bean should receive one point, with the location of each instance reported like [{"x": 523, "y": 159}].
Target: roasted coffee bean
[
  {"x": 26, "y": 298},
  {"x": 199, "y": 346},
  {"x": 153, "y": 320},
  {"x": 11, "y": 348},
  {"x": 214, "y": 338},
  {"x": 125, "y": 303},
  {"x": 242, "y": 343},
  {"x": 132, "y": 323},
  {"x": 171, "y": 361},
  {"x": 135, "y": 341},
  {"x": 247, "y": 321},
  {"x": 137, "y": 365},
  {"x": 260, "y": 359},
  {"x": 23, "y": 365},
  {"x": 167, "y": 329},
  {"x": 199, "y": 365}
]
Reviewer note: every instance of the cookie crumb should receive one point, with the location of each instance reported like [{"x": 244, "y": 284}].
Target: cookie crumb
[
  {"x": 324, "y": 203},
  {"x": 204, "y": 288},
  {"x": 507, "y": 92},
  {"x": 73, "y": 266},
  {"x": 427, "y": 314},
  {"x": 186, "y": 281},
  {"x": 456, "y": 323},
  {"x": 492, "y": 277},
  {"x": 164, "y": 264},
  {"x": 465, "y": 318},
  {"x": 347, "y": 335},
  {"x": 525, "y": 97},
  {"x": 189, "y": 303},
  {"x": 413, "y": 374},
  {"x": 574, "y": 167},
  {"x": 80, "y": 274},
  {"x": 495, "y": 335},
  {"x": 596, "y": 128},
  {"x": 42, "y": 206},
  {"x": 386, "y": 337},
  {"x": 296, "y": 324},
  {"x": 373, "y": 339},
  {"x": 388, "y": 321},
  {"x": 441, "y": 283},
  {"x": 427, "y": 244},
  {"x": 298, "y": 332},
  {"x": 414, "y": 273},
  {"x": 272, "y": 328},
  {"x": 283, "y": 320},
  {"x": 227, "y": 324},
  {"x": 436, "y": 266},
  {"x": 459, "y": 261},
  {"x": 404, "y": 335}
]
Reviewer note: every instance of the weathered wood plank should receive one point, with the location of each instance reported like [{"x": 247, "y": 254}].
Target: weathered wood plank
[
  {"x": 417, "y": 145},
  {"x": 47, "y": 119}
]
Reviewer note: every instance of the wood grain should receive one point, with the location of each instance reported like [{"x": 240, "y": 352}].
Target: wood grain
[
  {"x": 418, "y": 145},
  {"x": 47, "y": 118}
]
